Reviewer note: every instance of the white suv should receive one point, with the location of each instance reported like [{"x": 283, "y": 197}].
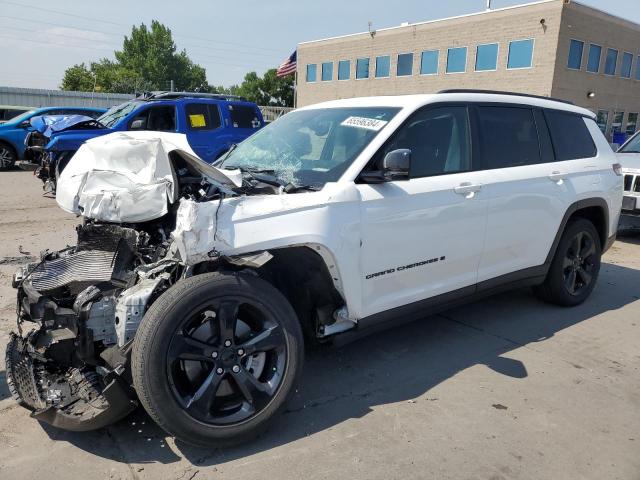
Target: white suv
[
  {"x": 197, "y": 286},
  {"x": 629, "y": 157}
]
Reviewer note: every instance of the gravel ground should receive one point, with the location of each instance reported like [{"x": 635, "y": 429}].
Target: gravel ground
[{"x": 504, "y": 388}]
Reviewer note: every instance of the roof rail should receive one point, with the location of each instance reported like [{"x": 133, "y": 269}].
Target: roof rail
[
  {"x": 177, "y": 95},
  {"x": 498, "y": 92}
]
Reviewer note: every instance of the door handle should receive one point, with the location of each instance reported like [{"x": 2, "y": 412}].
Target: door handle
[
  {"x": 557, "y": 177},
  {"x": 467, "y": 189}
]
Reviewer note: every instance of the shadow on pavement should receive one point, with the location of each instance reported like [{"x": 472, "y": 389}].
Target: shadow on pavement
[{"x": 394, "y": 366}]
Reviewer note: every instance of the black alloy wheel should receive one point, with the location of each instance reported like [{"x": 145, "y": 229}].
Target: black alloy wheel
[
  {"x": 579, "y": 263},
  {"x": 225, "y": 361}
]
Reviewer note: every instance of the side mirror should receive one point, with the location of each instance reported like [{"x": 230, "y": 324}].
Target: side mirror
[
  {"x": 396, "y": 165},
  {"x": 137, "y": 124},
  {"x": 25, "y": 124}
]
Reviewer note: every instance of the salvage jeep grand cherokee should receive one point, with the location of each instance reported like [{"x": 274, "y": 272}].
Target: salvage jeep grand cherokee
[{"x": 192, "y": 287}]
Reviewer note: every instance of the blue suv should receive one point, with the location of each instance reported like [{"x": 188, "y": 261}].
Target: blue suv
[
  {"x": 212, "y": 123},
  {"x": 14, "y": 131}
]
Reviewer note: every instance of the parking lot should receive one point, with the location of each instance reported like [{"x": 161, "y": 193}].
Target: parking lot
[{"x": 505, "y": 388}]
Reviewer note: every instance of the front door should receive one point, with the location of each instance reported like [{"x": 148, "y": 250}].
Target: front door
[{"x": 424, "y": 237}]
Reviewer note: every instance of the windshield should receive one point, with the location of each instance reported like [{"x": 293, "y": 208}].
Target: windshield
[
  {"x": 310, "y": 147},
  {"x": 113, "y": 115},
  {"x": 21, "y": 117},
  {"x": 632, "y": 146}
]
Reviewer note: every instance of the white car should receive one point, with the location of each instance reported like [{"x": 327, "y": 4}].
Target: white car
[
  {"x": 629, "y": 158},
  {"x": 194, "y": 288}
]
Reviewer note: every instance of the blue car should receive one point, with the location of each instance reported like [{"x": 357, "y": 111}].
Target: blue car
[
  {"x": 14, "y": 131},
  {"x": 212, "y": 123}
]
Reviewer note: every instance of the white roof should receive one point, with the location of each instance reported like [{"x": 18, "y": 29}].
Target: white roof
[{"x": 416, "y": 101}]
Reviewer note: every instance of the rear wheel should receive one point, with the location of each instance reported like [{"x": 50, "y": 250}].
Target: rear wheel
[
  {"x": 216, "y": 357},
  {"x": 575, "y": 267},
  {"x": 7, "y": 156}
]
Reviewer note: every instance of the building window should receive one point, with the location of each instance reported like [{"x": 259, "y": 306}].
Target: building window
[
  {"x": 632, "y": 123},
  {"x": 383, "y": 66},
  {"x": 603, "y": 120},
  {"x": 616, "y": 124},
  {"x": 487, "y": 57},
  {"x": 312, "y": 73},
  {"x": 638, "y": 69},
  {"x": 611, "y": 62},
  {"x": 575, "y": 54},
  {"x": 429, "y": 62},
  {"x": 627, "y": 63},
  {"x": 457, "y": 60},
  {"x": 405, "y": 64},
  {"x": 344, "y": 70},
  {"x": 327, "y": 71},
  {"x": 520, "y": 54},
  {"x": 362, "y": 68},
  {"x": 595, "y": 53}
]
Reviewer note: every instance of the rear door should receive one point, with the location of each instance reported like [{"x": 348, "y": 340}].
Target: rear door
[
  {"x": 529, "y": 189},
  {"x": 204, "y": 128}
]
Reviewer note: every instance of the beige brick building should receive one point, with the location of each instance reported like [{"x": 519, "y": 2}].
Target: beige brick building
[{"x": 557, "y": 48}]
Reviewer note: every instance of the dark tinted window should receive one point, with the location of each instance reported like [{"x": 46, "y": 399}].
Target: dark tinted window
[
  {"x": 438, "y": 139},
  {"x": 202, "y": 116},
  {"x": 509, "y": 137},
  {"x": 570, "y": 136},
  {"x": 244, "y": 117},
  {"x": 162, "y": 119}
]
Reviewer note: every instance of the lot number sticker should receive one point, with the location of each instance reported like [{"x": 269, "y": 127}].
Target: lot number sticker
[{"x": 366, "y": 123}]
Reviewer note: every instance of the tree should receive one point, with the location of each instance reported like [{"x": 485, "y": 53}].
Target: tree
[
  {"x": 266, "y": 90},
  {"x": 148, "y": 61}
]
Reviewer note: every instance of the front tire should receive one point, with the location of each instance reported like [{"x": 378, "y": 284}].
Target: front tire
[
  {"x": 575, "y": 266},
  {"x": 216, "y": 357},
  {"x": 7, "y": 157}
]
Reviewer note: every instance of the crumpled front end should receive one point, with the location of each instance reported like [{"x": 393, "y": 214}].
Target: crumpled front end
[{"x": 78, "y": 310}]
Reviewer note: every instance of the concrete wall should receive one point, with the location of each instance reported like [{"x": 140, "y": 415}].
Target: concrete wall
[
  {"x": 612, "y": 93},
  {"x": 500, "y": 26},
  {"x": 35, "y": 97}
]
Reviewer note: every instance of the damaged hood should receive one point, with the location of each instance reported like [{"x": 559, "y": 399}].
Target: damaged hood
[
  {"x": 128, "y": 177},
  {"x": 50, "y": 124}
]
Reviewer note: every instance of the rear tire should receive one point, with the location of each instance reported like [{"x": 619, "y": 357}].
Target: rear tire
[
  {"x": 575, "y": 266},
  {"x": 216, "y": 357},
  {"x": 8, "y": 156}
]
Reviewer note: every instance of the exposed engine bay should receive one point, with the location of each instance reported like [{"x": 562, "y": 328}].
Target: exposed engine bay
[{"x": 78, "y": 309}]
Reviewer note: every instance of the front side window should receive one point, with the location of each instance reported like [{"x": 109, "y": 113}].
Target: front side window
[
  {"x": 520, "y": 54},
  {"x": 244, "y": 116},
  {"x": 383, "y": 66},
  {"x": 202, "y": 116},
  {"x": 312, "y": 73},
  {"x": 603, "y": 120},
  {"x": 570, "y": 136},
  {"x": 457, "y": 60},
  {"x": 575, "y": 54},
  {"x": 632, "y": 123},
  {"x": 327, "y": 71},
  {"x": 344, "y": 69},
  {"x": 487, "y": 57},
  {"x": 429, "y": 62},
  {"x": 439, "y": 141},
  {"x": 362, "y": 68},
  {"x": 509, "y": 137},
  {"x": 611, "y": 62},
  {"x": 161, "y": 119},
  {"x": 405, "y": 64},
  {"x": 627, "y": 63},
  {"x": 595, "y": 53},
  {"x": 311, "y": 147}
]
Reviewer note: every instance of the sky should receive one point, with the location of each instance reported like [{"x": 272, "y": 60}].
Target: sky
[{"x": 39, "y": 40}]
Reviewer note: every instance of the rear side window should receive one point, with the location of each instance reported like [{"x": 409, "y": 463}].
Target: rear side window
[
  {"x": 202, "y": 116},
  {"x": 509, "y": 137},
  {"x": 570, "y": 136},
  {"x": 244, "y": 117}
]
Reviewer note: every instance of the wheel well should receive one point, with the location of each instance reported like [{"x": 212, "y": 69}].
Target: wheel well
[
  {"x": 5, "y": 143},
  {"x": 302, "y": 276},
  {"x": 595, "y": 215}
]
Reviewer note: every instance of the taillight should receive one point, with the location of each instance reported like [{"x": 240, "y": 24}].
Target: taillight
[{"x": 617, "y": 168}]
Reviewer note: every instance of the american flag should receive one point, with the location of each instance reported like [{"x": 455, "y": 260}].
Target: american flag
[{"x": 288, "y": 66}]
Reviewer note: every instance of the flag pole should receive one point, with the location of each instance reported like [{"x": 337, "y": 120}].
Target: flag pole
[{"x": 295, "y": 88}]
